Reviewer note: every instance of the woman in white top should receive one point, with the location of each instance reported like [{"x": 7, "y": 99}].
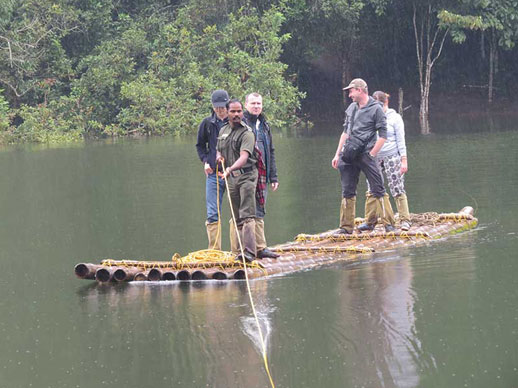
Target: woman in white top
[{"x": 392, "y": 159}]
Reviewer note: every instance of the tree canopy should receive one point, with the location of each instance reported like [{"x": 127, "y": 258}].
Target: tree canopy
[{"x": 76, "y": 68}]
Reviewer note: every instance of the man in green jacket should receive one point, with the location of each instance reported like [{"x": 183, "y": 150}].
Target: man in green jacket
[{"x": 236, "y": 143}]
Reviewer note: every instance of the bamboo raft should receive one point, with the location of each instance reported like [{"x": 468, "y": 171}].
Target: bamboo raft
[{"x": 305, "y": 252}]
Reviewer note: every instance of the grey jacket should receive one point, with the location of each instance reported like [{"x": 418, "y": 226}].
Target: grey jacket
[{"x": 364, "y": 123}]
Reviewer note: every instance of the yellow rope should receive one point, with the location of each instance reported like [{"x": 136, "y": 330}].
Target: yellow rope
[
  {"x": 359, "y": 236},
  {"x": 263, "y": 346},
  {"x": 351, "y": 249},
  {"x": 456, "y": 217},
  {"x": 204, "y": 259}
]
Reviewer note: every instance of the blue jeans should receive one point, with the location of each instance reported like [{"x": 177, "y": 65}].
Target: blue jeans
[{"x": 211, "y": 196}]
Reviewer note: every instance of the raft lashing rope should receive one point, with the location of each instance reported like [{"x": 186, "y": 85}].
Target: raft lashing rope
[{"x": 305, "y": 252}]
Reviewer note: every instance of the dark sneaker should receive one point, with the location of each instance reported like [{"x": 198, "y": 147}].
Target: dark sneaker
[
  {"x": 365, "y": 227},
  {"x": 248, "y": 257},
  {"x": 405, "y": 225},
  {"x": 266, "y": 253},
  {"x": 343, "y": 231},
  {"x": 389, "y": 228}
]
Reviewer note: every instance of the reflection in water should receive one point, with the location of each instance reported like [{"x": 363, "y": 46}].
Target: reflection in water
[
  {"x": 382, "y": 310},
  {"x": 208, "y": 335},
  {"x": 206, "y": 330},
  {"x": 397, "y": 298},
  {"x": 385, "y": 346}
]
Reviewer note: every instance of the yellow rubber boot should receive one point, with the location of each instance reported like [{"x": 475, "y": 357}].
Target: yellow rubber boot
[
  {"x": 234, "y": 242},
  {"x": 260, "y": 238},
  {"x": 388, "y": 213},
  {"x": 371, "y": 215},
  {"x": 402, "y": 207},
  {"x": 248, "y": 233},
  {"x": 214, "y": 235},
  {"x": 347, "y": 214}
]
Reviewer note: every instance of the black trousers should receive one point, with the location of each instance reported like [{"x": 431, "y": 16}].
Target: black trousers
[{"x": 350, "y": 175}]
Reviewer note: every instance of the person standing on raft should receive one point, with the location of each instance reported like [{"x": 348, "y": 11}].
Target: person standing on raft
[
  {"x": 208, "y": 133},
  {"x": 235, "y": 148},
  {"x": 255, "y": 118},
  {"x": 392, "y": 160},
  {"x": 357, "y": 150}
]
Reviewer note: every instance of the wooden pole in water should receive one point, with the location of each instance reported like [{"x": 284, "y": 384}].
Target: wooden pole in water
[
  {"x": 141, "y": 276},
  {"x": 86, "y": 270},
  {"x": 154, "y": 274},
  {"x": 125, "y": 274},
  {"x": 105, "y": 274}
]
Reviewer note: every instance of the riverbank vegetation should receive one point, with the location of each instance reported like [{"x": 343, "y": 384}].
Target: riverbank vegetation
[{"x": 71, "y": 69}]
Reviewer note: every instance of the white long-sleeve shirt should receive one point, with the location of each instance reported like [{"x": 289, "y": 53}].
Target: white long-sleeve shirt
[{"x": 395, "y": 143}]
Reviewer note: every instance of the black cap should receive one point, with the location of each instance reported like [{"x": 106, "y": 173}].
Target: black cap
[{"x": 219, "y": 98}]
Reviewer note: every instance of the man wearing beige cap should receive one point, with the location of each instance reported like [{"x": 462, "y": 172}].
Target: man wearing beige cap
[{"x": 365, "y": 131}]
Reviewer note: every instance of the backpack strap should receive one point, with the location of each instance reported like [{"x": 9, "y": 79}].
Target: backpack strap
[{"x": 353, "y": 116}]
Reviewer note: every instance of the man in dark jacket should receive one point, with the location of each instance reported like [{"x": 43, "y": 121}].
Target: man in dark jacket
[
  {"x": 366, "y": 127},
  {"x": 255, "y": 118},
  {"x": 208, "y": 133}
]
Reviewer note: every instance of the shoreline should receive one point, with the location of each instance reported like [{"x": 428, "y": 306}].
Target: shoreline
[{"x": 450, "y": 107}]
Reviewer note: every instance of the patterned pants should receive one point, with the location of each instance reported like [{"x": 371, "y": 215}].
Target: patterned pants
[{"x": 391, "y": 167}]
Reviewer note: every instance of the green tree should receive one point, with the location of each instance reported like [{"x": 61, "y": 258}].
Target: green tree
[
  {"x": 240, "y": 54},
  {"x": 31, "y": 54},
  {"x": 326, "y": 37},
  {"x": 45, "y": 124},
  {"x": 497, "y": 17},
  {"x": 430, "y": 34},
  {"x": 96, "y": 93},
  {"x": 4, "y": 118}
]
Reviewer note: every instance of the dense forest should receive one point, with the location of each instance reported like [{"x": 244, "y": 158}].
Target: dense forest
[{"x": 71, "y": 69}]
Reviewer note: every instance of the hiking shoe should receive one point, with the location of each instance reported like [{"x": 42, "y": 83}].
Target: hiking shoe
[
  {"x": 266, "y": 253},
  {"x": 343, "y": 231},
  {"x": 366, "y": 227},
  {"x": 405, "y": 225},
  {"x": 248, "y": 257},
  {"x": 389, "y": 228}
]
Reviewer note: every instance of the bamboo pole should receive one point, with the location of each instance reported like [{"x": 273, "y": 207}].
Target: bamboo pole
[
  {"x": 105, "y": 274},
  {"x": 125, "y": 274},
  {"x": 141, "y": 276},
  {"x": 86, "y": 270}
]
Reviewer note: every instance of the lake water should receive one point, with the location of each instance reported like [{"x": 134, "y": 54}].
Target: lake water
[{"x": 441, "y": 315}]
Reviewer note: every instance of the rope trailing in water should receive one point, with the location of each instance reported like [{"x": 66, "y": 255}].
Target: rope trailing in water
[{"x": 263, "y": 346}]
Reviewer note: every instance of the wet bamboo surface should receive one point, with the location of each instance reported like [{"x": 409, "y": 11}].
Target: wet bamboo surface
[{"x": 305, "y": 252}]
